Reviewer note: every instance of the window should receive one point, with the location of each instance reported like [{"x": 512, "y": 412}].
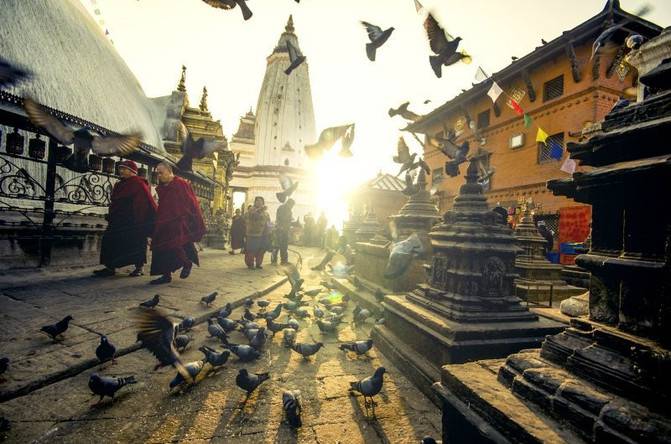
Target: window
[
  {"x": 286, "y": 162},
  {"x": 553, "y": 88},
  {"x": 437, "y": 176},
  {"x": 483, "y": 119},
  {"x": 517, "y": 141},
  {"x": 552, "y": 149}
]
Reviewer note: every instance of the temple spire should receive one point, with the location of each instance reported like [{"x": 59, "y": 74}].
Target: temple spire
[
  {"x": 290, "y": 24},
  {"x": 181, "y": 86},
  {"x": 203, "y": 100}
]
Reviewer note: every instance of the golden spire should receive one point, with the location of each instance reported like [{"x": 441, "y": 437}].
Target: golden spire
[
  {"x": 181, "y": 86},
  {"x": 203, "y": 100},
  {"x": 290, "y": 24}
]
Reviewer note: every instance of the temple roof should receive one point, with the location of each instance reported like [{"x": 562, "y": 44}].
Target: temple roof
[
  {"x": 386, "y": 182},
  {"x": 287, "y": 35},
  {"x": 76, "y": 68}
]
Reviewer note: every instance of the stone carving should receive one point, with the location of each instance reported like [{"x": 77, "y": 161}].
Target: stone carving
[{"x": 493, "y": 273}]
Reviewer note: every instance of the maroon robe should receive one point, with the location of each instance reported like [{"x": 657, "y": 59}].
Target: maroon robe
[
  {"x": 179, "y": 223},
  {"x": 131, "y": 220},
  {"x": 238, "y": 232}
]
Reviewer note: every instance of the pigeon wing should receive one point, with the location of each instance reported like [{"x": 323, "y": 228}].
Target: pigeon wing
[
  {"x": 10, "y": 74},
  {"x": 374, "y": 32},
  {"x": 40, "y": 117},
  {"x": 437, "y": 39},
  {"x": 403, "y": 152},
  {"x": 122, "y": 145}
]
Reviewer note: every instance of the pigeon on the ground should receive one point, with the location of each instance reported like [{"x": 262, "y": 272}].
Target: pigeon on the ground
[
  {"x": 186, "y": 324},
  {"x": 248, "y": 302},
  {"x": 275, "y": 326},
  {"x": 230, "y": 4},
  {"x": 57, "y": 329},
  {"x": 248, "y": 315},
  {"x": 181, "y": 341},
  {"x": 377, "y": 37},
  {"x": 196, "y": 370},
  {"x": 401, "y": 256},
  {"x": 293, "y": 323},
  {"x": 246, "y": 325},
  {"x": 361, "y": 316},
  {"x": 369, "y": 387},
  {"x": 312, "y": 292},
  {"x": 208, "y": 299},
  {"x": 295, "y": 58},
  {"x": 274, "y": 314},
  {"x": 319, "y": 313},
  {"x": 302, "y": 313},
  {"x": 108, "y": 385},
  {"x": 288, "y": 337},
  {"x": 250, "y": 381},
  {"x": 443, "y": 47},
  {"x": 320, "y": 266},
  {"x": 404, "y": 112},
  {"x": 379, "y": 295},
  {"x": 214, "y": 329},
  {"x": 262, "y": 303},
  {"x": 259, "y": 339},
  {"x": 293, "y": 305},
  {"x": 289, "y": 186},
  {"x": 307, "y": 350},
  {"x": 216, "y": 359},
  {"x": 250, "y": 333},
  {"x": 326, "y": 326},
  {"x": 228, "y": 325},
  {"x": 106, "y": 350},
  {"x": 11, "y": 74},
  {"x": 358, "y": 347},
  {"x": 291, "y": 402},
  {"x": 226, "y": 311},
  {"x": 151, "y": 303},
  {"x": 245, "y": 353}
]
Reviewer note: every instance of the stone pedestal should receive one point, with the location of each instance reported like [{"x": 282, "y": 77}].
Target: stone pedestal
[
  {"x": 605, "y": 379},
  {"x": 368, "y": 228},
  {"x": 540, "y": 280},
  {"x": 467, "y": 310}
]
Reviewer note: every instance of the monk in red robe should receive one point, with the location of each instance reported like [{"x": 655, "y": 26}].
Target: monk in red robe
[
  {"x": 179, "y": 223},
  {"x": 130, "y": 222}
]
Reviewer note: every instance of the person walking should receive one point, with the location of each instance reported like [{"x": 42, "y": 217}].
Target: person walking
[
  {"x": 283, "y": 220},
  {"x": 237, "y": 232},
  {"x": 256, "y": 224}
]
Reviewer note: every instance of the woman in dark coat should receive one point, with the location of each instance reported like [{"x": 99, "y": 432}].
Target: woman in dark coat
[{"x": 237, "y": 232}]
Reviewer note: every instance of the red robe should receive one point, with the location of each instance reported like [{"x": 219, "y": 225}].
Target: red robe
[
  {"x": 131, "y": 219},
  {"x": 179, "y": 223}
]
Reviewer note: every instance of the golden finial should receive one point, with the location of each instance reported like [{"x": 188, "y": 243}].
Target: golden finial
[
  {"x": 290, "y": 24},
  {"x": 181, "y": 86},
  {"x": 203, "y": 100}
]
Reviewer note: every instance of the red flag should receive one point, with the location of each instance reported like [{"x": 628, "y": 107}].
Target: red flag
[{"x": 516, "y": 107}]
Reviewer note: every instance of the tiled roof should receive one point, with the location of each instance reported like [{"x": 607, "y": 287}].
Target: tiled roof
[{"x": 386, "y": 182}]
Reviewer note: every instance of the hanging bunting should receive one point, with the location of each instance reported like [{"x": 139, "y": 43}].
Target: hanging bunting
[
  {"x": 541, "y": 136},
  {"x": 516, "y": 107},
  {"x": 527, "y": 120},
  {"x": 494, "y": 92},
  {"x": 568, "y": 166},
  {"x": 480, "y": 75}
]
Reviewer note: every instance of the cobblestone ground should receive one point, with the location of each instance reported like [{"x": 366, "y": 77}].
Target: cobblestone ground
[{"x": 212, "y": 411}]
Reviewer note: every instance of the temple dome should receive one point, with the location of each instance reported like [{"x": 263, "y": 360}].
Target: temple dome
[{"x": 76, "y": 68}]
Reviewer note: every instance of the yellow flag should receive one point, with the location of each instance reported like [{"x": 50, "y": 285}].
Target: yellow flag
[{"x": 541, "y": 135}]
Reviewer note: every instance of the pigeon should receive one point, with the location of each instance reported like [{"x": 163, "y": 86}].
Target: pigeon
[
  {"x": 11, "y": 75},
  {"x": 369, "y": 387},
  {"x": 404, "y": 112},
  {"x": 377, "y": 37},
  {"x": 361, "y": 316},
  {"x": 259, "y": 339},
  {"x": 113, "y": 145},
  {"x": 312, "y": 292},
  {"x": 606, "y": 37},
  {"x": 4, "y": 365},
  {"x": 443, "y": 47},
  {"x": 108, "y": 385},
  {"x": 262, "y": 303},
  {"x": 181, "y": 341},
  {"x": 401, "y": 256},
  {"x": 403, "y": 156},
  {"x": 157, "y": 333},
  {"x": 379, "y": 321},
  {"x": 336, "y": 309},
  {"x": 215, "y": 330},
  {"x": 245, "y": 353},
  {"x": 151, "y": 303},
  {"x": 228, "y": 325},
  {"x": 207, "y": 300},
  {"x": 226, "y": 311},
  {"x": 294, "y": 277},
  {"x": 319, "y": 313},
  {"x": 457, "y": 154},
  {"x": 358, "y": 347},
  {"x": 250, "y": 381},
  {"x": 246, "y": 325},
  {"x": 106, "y": 350},
  {"x": 186, "y": 324},
  {"x": 634, "y": 41},
  {"x": 274, "y": 326},
  {"x": 272, "y": 315},
  {"x": 412, "y": 188},
  {"x": 216, "y": 359},
  {"x": 427, "y": 101},
  {"x": 230, "y": 4},
  {"x": 293, "y": 305},
  {"x": 321, "y": 265},
  {"x": 292, "y": 407},
  {"x": 288, "y": 337},
  {"x": 293, "y": 323},
  {"x": 326, "y": 326},
  {"x": 196, "y": 371},
  {"x": 544, "y": 42},
  {"x": 250, "y": 333},
  {"x": 196, "y": 149},
  {"x": 327, "y": 138},
  {"x": 248, "y": 315},
  {"x": 248, "y": 302},
  {"x": 302, "y": 313},
  {"x": 295, "y": 58},
  {"x": 307, "y": 350},
  {"x": 58, "y": 328},
  {"x": 346, "y": 143}
]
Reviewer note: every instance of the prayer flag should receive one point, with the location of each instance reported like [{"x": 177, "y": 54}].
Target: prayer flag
[
  {"x": 480, "y": 75},
  {"x": 418, "y": 6},
  {"x": 527, "y": 120},
  {"x": 516, "y": 107},
  {"x": 495, "y": 91},
  {"x": 541, "y": 135},
  {"x": 568, "y": 166}
]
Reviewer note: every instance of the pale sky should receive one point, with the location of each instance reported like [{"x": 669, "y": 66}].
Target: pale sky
[{"x": 227, "y": 54}]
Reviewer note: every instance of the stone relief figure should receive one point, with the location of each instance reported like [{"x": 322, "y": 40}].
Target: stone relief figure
[
  {"x": 493, "y": 274},
  {"x": 439, "y": 268}
]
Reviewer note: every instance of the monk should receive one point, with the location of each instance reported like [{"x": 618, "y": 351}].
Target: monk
[
  {"x": 130, "y": 223},
  {"x": 237, "y": 232},
  {"x": 179, "y": 223},
  {"x": 257, "y": 223}
]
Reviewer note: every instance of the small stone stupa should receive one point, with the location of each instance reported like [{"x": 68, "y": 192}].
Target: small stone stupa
[
  {"x": 467, "y": 310},
  {"x": 369, "y": 227},
  {"x": 418, "y": 215}
]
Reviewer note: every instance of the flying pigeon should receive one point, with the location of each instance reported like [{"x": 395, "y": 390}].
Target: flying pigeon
[
  {"x": 196, "y": 149},
  {"x": 403, "y": 156},
  {"x": 58, "y": 328},
  {"x": 186, "y": 324},
  {"x": 358, "y": 347},
  {"x": 288, "y": 337},
  {"x": 294, "y": 277},
  {"x": 369, "y": 387},
  {"x": 196, "y": 371},
  {"x": 327, "y": 138},
  {"x": 411, "y": 188},
  {"x": 456, "y": 153},
  {"x": 605, "y": 38},
  {"x": 307, "y": 350},
  {"x": 404, "y": 112},
  {"x": 151, "y": 303},
  {"x": 443, "y": 47},
  {"x": 377, "y": 37},
  {"x": 216, "y": 359},
  {"x": 291, "y": 403},
  {"x": 250, "y": 381},
  {"x": 288, "y": 188},
  {"x": 295, "y": 58},
  {"x": 181, "y": 341},
  {"x": 106, "y": 350},
  {"x": 226, "y": 311},
  {"x": 207, "y": 300},
  {"x": 11, "y": 75},
  {"x": 346, "y": 143},
  {"x": 401, "y": 255},
  {"x": 230, "y": 4},
  {"x": 245, "y": 353},
  {"x": 108, "y": 385}
]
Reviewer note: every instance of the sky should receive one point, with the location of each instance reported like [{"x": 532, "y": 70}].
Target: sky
[{"x": 228, "y": 54}]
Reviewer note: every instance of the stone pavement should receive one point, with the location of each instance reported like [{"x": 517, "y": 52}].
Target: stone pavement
[{"x": 211, "y": 412}]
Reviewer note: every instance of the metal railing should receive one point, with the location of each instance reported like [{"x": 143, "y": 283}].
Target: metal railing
[{"x": 539, "y": 287}]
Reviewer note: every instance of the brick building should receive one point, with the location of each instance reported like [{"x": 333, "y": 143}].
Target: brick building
[{"x": 563, "y": 92}]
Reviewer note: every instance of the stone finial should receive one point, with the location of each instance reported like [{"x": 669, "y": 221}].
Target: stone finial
[
  {"x": 181, "y": 86},
  {"x": 203, "y": 100},
  {"x": 290, "y": 24}
]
